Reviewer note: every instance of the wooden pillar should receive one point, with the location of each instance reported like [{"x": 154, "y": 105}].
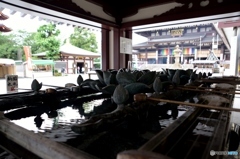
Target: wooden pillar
[
  {"x": 128, "y": 57},
  {"x": 116, "y": 48},
  {"x": 67, "y": 64},
  {"x": 90, "y": 61},
  {"x": 182, "y": 56},
  {"x": 122, "y": 55},
  {"x": 111, "y": 57},
  {"x": 170, "y": 57},
  {"x": 222, "y": 52},
  {"x": 146, "y": 55},
  {"x": 105, "y": 49},
  {"x": 74, "y": 65},
  {"x": 124, "y": 58},
  {"x": 84, "y": 65},
  {"x": 156, "y": 55}
]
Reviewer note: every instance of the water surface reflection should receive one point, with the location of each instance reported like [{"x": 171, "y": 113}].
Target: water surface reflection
[{"x": 58, "y": 127}]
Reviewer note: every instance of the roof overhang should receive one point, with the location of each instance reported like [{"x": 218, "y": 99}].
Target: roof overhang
[
  {"x": 124, "y": 14},
  {"x": 79, "y": 55},
  {"x": 204, "y": 62},
  {"x": 4, "y": 61},
  {"x": 71, "y": 50}
]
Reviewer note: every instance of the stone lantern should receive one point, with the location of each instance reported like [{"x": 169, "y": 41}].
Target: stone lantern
[{"x": 177, "y": 55}]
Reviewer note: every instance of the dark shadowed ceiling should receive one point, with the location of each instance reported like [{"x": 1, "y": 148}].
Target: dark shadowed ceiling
[{"x": 128, "y": 13}]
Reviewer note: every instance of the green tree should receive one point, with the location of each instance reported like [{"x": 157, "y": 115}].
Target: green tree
[
  {"x": 24, "y": 38},
  {"x": 47, "y": 41},
  {"x": 85, "y": 39},
  {"x": 8, "y": 47}
]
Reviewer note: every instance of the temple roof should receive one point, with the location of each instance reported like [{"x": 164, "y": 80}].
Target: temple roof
[
  {"x": 183, "y": 38},
  {"x": 71, "y": 50},
  {"x": 190, "y": 38},
  {"x": 212, "y": 56}
]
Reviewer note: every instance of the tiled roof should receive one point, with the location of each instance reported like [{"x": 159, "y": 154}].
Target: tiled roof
[{"x": 71, "y": 50}]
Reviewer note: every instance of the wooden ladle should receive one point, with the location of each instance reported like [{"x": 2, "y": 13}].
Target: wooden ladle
[{"x": 143, "y": 97}]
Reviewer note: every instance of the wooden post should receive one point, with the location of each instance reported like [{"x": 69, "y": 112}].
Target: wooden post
[
  {"x": 137, "y": 154},
  {"x": 38, "y": 144},
  {"x": 67, "y": 64}
]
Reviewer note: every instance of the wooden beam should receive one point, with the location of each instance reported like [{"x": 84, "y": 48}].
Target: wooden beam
[
  {"x": 229, "y": 24},
  {"x": 70, "y": 8},
  {"x": 7, "y": 145},
  {"x": 38, "y": 144},
  {"x": 23, "y": 14},
  {"x": 60, "y": 23},
  {"x": 137, "y": 154},
  {"x": 32, "y": 16},
  {"x": 40, "y": 19},
  {"x": 222, "y": 34},
  {"x": 12, "y": 12},
  {"x": 186, "y": 13}
]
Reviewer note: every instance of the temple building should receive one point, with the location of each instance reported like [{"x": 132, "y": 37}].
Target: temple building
[{"x": 196, "y": 42}]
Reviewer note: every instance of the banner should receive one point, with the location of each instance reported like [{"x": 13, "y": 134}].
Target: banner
[
  {"x": 165, "y": 52},
  {"x": 185, "y": 51},
  {"x": 28, "y": 54}
]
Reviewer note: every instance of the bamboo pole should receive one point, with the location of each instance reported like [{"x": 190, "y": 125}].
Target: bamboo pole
[
  {"x": 143, "y": 97},
  {"x": 201, "y": 90},
  {"x": 219, "y": 81},
  {"x": 224, "y": 89}
]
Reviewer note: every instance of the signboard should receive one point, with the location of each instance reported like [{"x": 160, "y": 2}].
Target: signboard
[
  {"x": 125, "y": 45},
  {"x": 11, "y": 83},
  {"x": 177, "y": 32}
]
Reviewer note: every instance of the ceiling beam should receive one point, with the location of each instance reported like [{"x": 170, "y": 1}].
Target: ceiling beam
[
  {"x": 32, "y": 16},
  {"x": 227, "y": 24},
  {"x": 222, "y": 34},
  {"x": 12, "y": 12},
  {"x": 60, "y": 23},
  {"x": 70, "y": 8},
  {"x": 183, "y": 13},
  {"x": 23, "y": 15}
]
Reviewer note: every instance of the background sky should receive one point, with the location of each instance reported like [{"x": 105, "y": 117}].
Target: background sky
[{"x": 16, "y": 22}]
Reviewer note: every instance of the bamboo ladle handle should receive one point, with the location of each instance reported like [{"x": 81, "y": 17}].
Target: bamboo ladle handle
[
  {"x": 202, "y": 90},
  {"x": 143, "y": 97}
]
